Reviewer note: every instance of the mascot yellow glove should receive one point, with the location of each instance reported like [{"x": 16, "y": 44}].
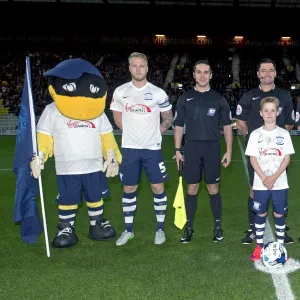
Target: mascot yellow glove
[
  {"x": 111, "y": 164},
  {"x": 111, "y": 154},
  {"x": 45, "y": 144},
  {"x": 37, "y": 164}
]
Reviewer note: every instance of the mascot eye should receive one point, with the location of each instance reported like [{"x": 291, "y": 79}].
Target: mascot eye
[
  {"x": 94, "y": 89},
  {"x": 70, "y": 87}
]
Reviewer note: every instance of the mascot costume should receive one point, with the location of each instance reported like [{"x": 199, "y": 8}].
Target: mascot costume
[{"x": 75, "y": 129}]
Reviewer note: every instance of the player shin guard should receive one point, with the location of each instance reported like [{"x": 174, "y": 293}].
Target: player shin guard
[
  {"x": 129, "y": 207},
  {"x": 190, "y": 207},
  {"x": 260, "y": 223},
  {"x": 251, "y": 214},
  {"x": 280, "y": 228},
  {"x": 95, "y": 211},
  {"x": 67, "y": 213},
  {"x": 216, "y": 208},
  {"x": 160, "y": 206}
]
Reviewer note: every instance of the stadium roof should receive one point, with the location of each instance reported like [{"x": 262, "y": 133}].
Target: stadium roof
[{"x": 191, "y": 3}]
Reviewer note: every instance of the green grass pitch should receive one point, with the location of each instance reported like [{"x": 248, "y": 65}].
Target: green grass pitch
[{"x": 141, "y": 270}]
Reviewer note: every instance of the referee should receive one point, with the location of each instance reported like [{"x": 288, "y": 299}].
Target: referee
[
  {"x": 200, "y": 110},
  {"x": 248, "y": 119}
]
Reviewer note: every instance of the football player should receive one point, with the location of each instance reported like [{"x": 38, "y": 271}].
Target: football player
[{"x": 137, "y": 106}]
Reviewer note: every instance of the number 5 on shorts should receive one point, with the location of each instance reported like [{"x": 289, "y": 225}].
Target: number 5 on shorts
[{"x": 162, "y": 167}]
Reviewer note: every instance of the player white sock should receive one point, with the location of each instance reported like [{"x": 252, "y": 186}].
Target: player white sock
[
  {"x": 160, "y": 206},
  {"x": 129, "y": 207}
]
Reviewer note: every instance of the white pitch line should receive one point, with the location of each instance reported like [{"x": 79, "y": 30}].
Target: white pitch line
[{"x": 280, "y": 281}]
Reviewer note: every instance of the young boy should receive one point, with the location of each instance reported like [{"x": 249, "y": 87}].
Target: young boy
[{"x": 269, "y": 148}]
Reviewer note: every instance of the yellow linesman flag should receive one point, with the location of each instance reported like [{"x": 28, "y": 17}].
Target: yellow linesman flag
[{"x": 179, "y": 205}]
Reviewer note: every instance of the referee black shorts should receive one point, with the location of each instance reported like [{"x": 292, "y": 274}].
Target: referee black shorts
[{"x": 199, "y": 157}]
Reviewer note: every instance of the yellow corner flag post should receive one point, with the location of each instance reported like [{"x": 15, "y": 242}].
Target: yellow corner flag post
[{"x": 180, "y": 213}]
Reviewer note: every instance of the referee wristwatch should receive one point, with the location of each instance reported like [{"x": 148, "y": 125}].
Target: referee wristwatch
[{"x": 177, "y": 149}]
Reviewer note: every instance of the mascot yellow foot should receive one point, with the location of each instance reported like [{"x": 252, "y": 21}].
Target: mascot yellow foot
[{"x": 75, "y": 130}]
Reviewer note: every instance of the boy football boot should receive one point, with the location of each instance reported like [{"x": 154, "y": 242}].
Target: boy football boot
[{"x": 256, "y": 253}]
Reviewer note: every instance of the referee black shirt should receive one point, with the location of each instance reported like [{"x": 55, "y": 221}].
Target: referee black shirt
[
  {"x": 249, "y": 106},
  {"x": 200, "y": 113}
]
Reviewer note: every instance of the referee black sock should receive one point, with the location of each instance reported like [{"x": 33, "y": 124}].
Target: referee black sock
[
  {"x": 216, "y": 208},
  {"x": 251, "y": 214},
  {"x": 190, "y": 207}
]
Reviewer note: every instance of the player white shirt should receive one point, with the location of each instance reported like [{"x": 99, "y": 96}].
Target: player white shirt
[
  {"x": 270, "y": 148},
  {"x": 77, "y": 144},
  {"x": 141, "y": 108}
]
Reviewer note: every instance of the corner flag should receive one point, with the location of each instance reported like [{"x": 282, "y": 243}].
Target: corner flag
[
  {"x": 179, "y": 205},
  {"x": 25, "y": 210}
]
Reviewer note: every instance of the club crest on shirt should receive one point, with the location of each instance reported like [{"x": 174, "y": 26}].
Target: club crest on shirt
[
  {"x": 279, "y": 140},
  {"x": 280, "y": 110},
  {"x": 148, "y": 96},
  {"x": 211, "y": 112}
]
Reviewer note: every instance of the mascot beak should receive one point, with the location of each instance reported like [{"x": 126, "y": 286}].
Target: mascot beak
[{"x": 78, "y": 107}]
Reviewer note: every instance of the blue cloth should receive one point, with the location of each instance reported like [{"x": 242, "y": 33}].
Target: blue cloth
[{"x": 25, "y": 209}]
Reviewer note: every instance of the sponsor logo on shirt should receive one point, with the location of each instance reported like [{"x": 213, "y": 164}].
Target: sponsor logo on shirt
[
  {"x": 270, "y": 152},
  {"x": 211, "y": 112},
  {"x": 238, "y": 110},
  {"x": 80, "y": 124},
  {"x": 138, "y": 108}
]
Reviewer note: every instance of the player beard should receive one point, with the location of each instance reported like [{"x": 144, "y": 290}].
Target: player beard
[{"x": 139, "y": 77}]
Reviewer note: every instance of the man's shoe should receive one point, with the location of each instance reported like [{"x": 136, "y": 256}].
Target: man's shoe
[
  {"x": 249, "y": 237},
  {"x": 218, "y": 234},
  {"x": 124, "y": 238},
  {"x": 187, "y": 235},
  {"x": 160, "y": 237},
  {"x": 288, "y": 239}
]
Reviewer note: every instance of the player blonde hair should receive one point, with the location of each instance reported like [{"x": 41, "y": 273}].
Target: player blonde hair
[
  {"x": 270, "y": 99},
  {"x": 139, "y": 55}
]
